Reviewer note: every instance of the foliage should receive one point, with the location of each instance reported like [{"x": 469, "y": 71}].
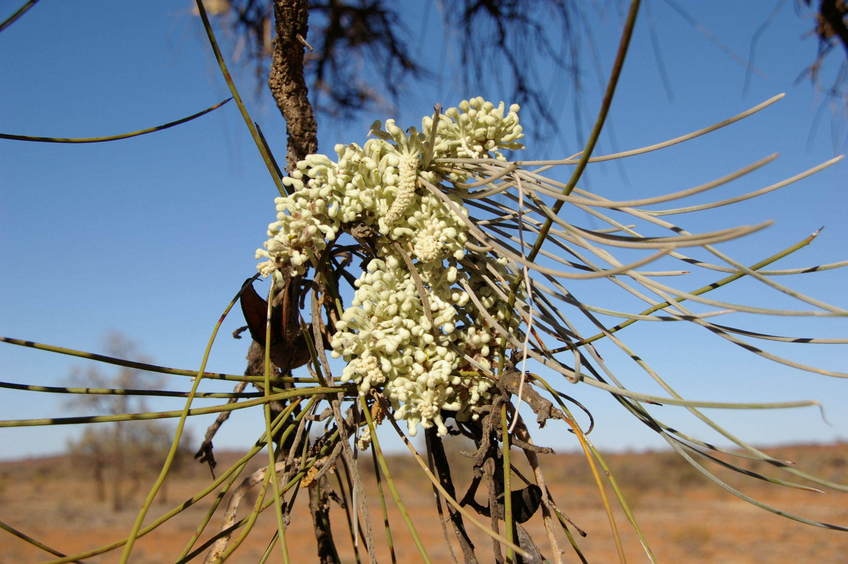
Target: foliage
[
  {"x": 360, "y": 53},
  {"x": 832, "y": 31}
]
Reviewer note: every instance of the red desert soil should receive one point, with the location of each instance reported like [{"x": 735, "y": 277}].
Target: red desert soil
[{"x": 684, "y": 518}]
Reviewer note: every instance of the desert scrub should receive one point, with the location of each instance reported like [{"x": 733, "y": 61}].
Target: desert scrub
[{"x": 411, "y": 330}]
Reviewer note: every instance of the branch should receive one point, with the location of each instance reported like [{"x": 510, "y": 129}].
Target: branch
[{"x": 286, "y": 79}]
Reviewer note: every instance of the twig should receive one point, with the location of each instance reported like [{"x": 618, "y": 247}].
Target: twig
[
  {"x": 249, "y": 482},
  {"x": 204, "y": 453}
]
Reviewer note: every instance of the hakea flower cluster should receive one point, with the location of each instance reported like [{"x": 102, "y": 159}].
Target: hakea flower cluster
[
  {"x": 391, "y": 342},
  {"x": 422, "y": 361},
  {"x": 477, "y": 128}
]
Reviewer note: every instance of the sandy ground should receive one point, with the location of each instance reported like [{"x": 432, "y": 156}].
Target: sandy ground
[{"x": 683, "y": 518}]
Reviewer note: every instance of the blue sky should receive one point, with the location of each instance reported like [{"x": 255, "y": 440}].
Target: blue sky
[{"x": 152, "y": 236}]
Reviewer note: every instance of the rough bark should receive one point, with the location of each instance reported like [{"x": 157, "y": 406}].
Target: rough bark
[{"x": 287, "y": 80}]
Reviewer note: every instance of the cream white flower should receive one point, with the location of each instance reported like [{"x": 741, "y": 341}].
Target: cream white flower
[{"x": 385, "y": 335}]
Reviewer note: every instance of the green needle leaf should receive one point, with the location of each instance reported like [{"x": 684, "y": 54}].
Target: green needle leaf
[{"x": 118, "y": 137}]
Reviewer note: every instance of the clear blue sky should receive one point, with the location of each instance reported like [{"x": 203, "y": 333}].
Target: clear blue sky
[{"x": 152, "y": 236}]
